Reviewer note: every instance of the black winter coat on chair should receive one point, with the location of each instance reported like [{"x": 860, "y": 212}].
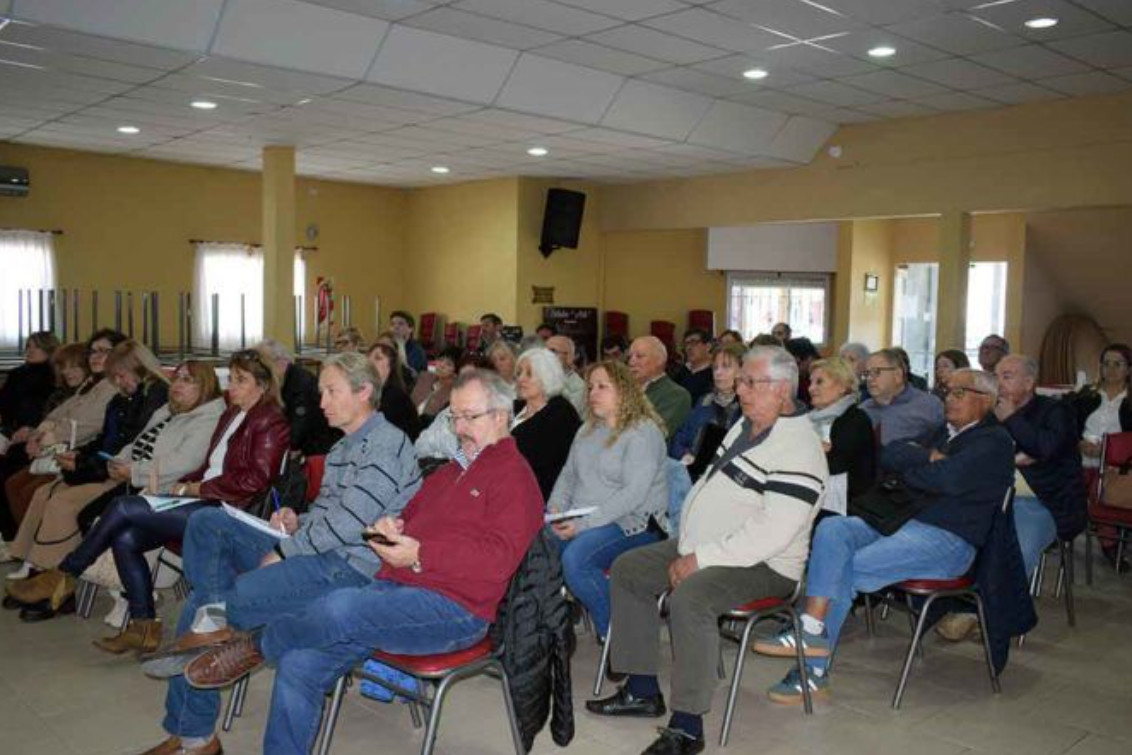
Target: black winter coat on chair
[{"x": 534, "y": 630}]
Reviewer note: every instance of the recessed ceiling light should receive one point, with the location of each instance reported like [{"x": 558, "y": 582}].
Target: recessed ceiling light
[
  {"x": 882, "y": 51},
  {"x": 1044, "y": 22},
  {"x": 755, "y": 74},
  {"x": 441, "y": 169},
  {"x": 538, "y": 151},
  {"x": 129, "y": 130},
  {"x": 204, "y": 105}
]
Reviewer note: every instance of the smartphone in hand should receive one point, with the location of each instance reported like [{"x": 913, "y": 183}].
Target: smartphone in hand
[{"x": 376, "y": 537}]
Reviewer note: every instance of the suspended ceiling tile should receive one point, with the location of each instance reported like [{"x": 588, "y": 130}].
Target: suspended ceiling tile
[
  {"x": 399, "y": 98},
  {"x": 254, "y": 77},
  {"x": 815, "y": 60},
  {"x": 509, "y": 119},
  {"x": 859, "y": 43},
  {"x": 739, "y": 128},
  {"x": 549, "y": 87},
  {"x": 715, "y": 30},
  {"x": 656, "y": 44},
  {"x": 847, "y": 116},
  {"x": 800, "y": 139},
  {"x": 1117, "y": 11},
  {"x": 180, "y": 24},
  {"x": 298, "y": 35},
  {"x": 616, "y": 138},
  {"x": 894, "y": 84},
  {"x": 783, "y": 102},
  {"x": 836, "y": 93},
  {"x": 100, "y": 48},
  {"x": 956, "y": 33},
  {"x": 1085, "y": 84},
  {"x": 482, "y": 28},
  {"x": 1017, "y": 94},
  {"x": 1072, "y": 21},
  {"x": 1108, "y": 50},
  {"x": 387, "y": 10},
  {"x": 959, "y": 73},
  {"x": 1030, "y": 62},
  {"x": 899, "y": 109},
  {"x": 432, "y": 63},
  {"x": 733, "y": 67},
  {"x": 880, "y": 12},
  {"x": 655, "y": 110},
  {"x": 701, "y": 82},
  {"x": 955, "y": 101},
  {"x": 630, "y": 10},
  {"x": 797, "y": 19},
  {"x": 583, "y": 53},
  {"x": 541, "y": 14}
]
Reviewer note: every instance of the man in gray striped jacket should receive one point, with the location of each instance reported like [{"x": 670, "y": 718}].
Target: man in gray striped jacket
[{"x": 243, "y": 577}]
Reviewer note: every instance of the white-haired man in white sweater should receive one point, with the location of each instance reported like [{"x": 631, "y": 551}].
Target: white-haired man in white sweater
[{"x": 744, "y": 535}]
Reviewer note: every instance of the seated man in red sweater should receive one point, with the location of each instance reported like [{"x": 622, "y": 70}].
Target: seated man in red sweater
[{"x": 451, "y": 555}]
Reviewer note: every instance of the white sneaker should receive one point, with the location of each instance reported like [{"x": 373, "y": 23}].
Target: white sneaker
[
  {"x": 22, "y": 573},
  {"x": 5, "y": 555},
  {"x": 117, "y": 616}
]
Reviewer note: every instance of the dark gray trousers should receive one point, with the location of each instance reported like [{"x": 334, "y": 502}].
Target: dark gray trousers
[{"x": 639, "y": 577}]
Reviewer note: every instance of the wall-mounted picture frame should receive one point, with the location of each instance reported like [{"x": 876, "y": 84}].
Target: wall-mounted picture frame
[{"x": 872, "y": 282}]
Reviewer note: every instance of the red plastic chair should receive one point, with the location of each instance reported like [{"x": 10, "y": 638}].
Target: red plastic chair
[
  {"x": 617, "y": 324},
  {"x": 1116, "y": 451},
  {"x": 745, "y": 616},
  {"x": 704, "y": 319},
  {"x": 452, "y": 334},
  {"x": 472, "y": 337},
  {"x": 435, "y": 676},
  {"x": 666, "y": 332},
  {"x": 314, "y": 469},
  {"x": 426, "y": 331}
]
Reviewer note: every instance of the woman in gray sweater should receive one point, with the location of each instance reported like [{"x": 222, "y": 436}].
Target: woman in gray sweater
[{"x": 616, "y": 468}]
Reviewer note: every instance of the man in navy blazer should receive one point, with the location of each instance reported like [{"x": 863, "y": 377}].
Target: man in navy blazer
[{"x": 957, "y": 484}]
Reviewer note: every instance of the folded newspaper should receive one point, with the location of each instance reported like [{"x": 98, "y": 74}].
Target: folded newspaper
[
  {"x": 254, "y": 522},
  {"x": 562, "y": 516}
]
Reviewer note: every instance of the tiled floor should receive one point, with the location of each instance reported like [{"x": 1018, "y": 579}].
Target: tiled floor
[{"x": 1067, "y": 691}]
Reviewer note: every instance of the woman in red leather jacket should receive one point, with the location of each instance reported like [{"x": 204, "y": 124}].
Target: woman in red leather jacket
[{"x": 244, "y": 456}]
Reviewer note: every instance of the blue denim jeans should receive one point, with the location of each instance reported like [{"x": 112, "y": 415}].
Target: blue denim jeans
[
  {"x": 849, "y": 557},
  {"x": 222, "y": 558},
  {"x": 1036, "y": 530},
  {"x": 587, "y": 557},
  {"x": 312, "y": 649},
  {"x": 679, "y": 485}
]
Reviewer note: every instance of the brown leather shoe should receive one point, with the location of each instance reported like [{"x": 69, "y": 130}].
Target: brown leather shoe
[
  {"x": 223, "y": 665},
  {"x": 192, "y": 642},
  {"x": 172, "y": 746},
  {"x": 143, "y": 635}
]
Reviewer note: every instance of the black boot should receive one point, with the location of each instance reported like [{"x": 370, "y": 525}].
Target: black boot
[{"x": 624, "y": 703}]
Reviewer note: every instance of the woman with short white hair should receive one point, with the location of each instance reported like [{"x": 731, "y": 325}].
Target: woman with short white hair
[{"x": 545, "y": 421}]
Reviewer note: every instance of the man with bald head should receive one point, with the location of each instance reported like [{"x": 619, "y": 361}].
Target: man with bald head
[
  {"x": 574, "y": 388},
  {"x": 647, "y": 359}
]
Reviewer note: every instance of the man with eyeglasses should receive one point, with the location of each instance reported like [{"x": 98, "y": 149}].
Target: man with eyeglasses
[
  {"x": 955, "y": 485},
  {"x": 574, "y": 387},
  {"x": 696, "y": 377},
  {"x": 743, "y": 536},
  {"x": 1050, "y": 498},
  {"x": 446, "y": 561},
  {"x": 991, "y": 350},
  {"x": 898, "y": 410}
]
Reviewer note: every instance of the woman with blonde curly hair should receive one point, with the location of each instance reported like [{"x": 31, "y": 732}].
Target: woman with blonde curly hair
[{"x": 615, "y": 472}]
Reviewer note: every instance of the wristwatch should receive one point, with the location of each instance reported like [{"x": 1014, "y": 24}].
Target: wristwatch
[{"x": 416, "y": 567}]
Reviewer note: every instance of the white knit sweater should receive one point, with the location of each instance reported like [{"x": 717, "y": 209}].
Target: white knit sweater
[{"x": 760, "y": 506}]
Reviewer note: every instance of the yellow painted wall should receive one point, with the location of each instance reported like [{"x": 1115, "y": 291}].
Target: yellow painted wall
[
  {"x": 460, "y": 246},
  {"x": 660, "y": 275},
  {"x": 127, "y": 222},
  {"x": 870, "y": 313},
  {"x": 575, "y": 274}
]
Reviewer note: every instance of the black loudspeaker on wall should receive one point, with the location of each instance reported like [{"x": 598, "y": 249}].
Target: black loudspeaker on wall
[{"x": 561, "y": 220}]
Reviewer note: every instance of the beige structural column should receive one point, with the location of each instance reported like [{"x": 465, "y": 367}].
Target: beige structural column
[
  {"x": 954, "y": 264},
  {"x": 278, "y": 243}
]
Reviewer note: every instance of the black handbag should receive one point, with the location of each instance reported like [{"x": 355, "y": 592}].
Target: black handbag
[{"x": 888, "y": 505}]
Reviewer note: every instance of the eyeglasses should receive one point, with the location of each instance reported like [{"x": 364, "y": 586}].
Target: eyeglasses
[
  {"x": 875, "y": 372},
  {"x": 751, "y": 383},
  {"x": 101, "y": 349},
  {"x": 961, "y": 391},
  {"x": 454, "y": 418},
  {"x": 1114, "y": 363}
]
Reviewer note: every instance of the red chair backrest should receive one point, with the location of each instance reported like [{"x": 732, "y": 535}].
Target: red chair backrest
[
  {"x": 452, "y": 334},
  {"x": 472, "y": 337},
  {"x": 617, "y": 324},
  {"x": 314, "y": 469},
  {"x": 666, "y": 332},
  {"x": 426, "y": 333},
  {"x": 704, "y": 319},
  {"x": 1116, "y": 451}
]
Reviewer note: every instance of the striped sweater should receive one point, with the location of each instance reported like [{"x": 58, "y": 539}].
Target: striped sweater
[
  {"x": 369, "y": 474},
  {"x": 759, "y": 506}
]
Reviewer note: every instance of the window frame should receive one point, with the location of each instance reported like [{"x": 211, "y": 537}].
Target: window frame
[{"x": 822, "y": 281}]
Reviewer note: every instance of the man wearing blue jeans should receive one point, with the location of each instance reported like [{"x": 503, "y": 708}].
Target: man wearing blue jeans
[
  {"x": 1051, "y": 500},
  {"x": 242, "y": 577},
  {"x": 963, "y": 480},
  {"x": 446, "y": 564}
]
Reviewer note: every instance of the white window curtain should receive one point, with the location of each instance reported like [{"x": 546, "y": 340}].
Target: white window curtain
[
  {"x": 299, "y": 288},
  {"x": 27, "y": 259},
  {"x": 228, "y": 270}
]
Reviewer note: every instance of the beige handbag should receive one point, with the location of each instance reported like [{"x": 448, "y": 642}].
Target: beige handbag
[{"x": 1117, "y": 485}]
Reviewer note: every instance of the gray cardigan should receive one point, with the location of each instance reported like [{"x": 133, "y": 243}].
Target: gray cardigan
[
  {"x": 626, "y": 481},
  {"x": 369, "y": 474},
  {"x": 180, "y": 447}
]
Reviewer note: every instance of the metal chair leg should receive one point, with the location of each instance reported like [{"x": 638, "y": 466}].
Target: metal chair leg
[
  {"x": 433, "y": 726},
  {"x": 736, "y": 677},
  {"x": 1119, "y": 551},
  {"x": 333, "y": 708},
  {"x": 235, "y": 703},
  {"x": 913, "y": 620},
  {"x": 1088, "y": 557},
  {"x": 1036, "y": 577},
  {"x": 1067, "y": 566},
  {"x": 870, "y": 620},
  {"x": 917, "y": 634},
  {"x": 87, "y": 592},
  {"x": 995, "y": 686},
  {"x": 603, "y": 662},
  {"x": 512, "y": 718}
]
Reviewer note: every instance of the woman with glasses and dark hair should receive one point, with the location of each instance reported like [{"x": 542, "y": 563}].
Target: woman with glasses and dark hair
[
  {"x": 243, "y": 457},
  {"x": 50, "y": 530},
  {"x": 947, "y": 362},
  {"x": 75, "y": 422},
  {"x": 396, "y": 406}
]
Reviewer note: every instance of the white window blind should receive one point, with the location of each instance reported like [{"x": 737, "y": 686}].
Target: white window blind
[
  {"x": 757, "y": 301},
  {"x": 27, "y": 259}
]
